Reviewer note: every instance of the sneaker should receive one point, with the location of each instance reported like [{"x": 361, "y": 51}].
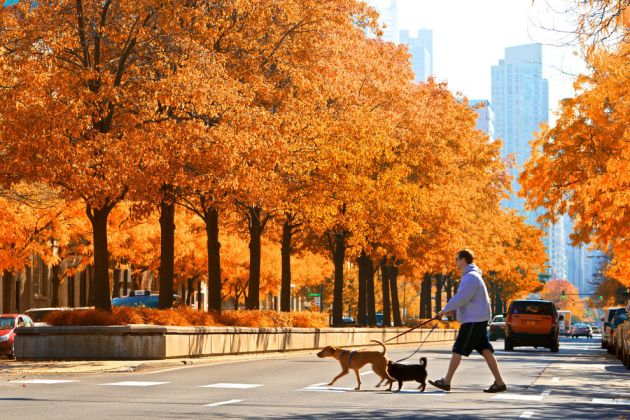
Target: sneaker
[
  {"x": 441, "y": 384},
  {"x": 494, "y": 388}
]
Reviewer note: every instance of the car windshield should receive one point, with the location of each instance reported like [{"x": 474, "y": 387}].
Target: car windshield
[
  {"x": 38, "y": 316},
  {"x": 498, "y": 318},
  {"x": 7, "y": 323},
  {"x": 531, "y": 308}
]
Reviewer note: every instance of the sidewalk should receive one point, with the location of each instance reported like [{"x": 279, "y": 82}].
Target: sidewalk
[{"x": 14, "y": 367}]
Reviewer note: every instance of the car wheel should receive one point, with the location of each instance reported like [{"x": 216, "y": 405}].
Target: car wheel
[
  {"x": 555, "y": 347},
  {"x": 603, "y": 345},
  {"x": 508, "y": 344}
]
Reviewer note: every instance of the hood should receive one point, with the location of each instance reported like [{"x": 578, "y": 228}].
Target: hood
[
  {"x": 472, "y": 267},
  {"x": 5, "y": 331}
]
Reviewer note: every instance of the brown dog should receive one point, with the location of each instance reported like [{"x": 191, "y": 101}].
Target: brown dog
[{"x": 355, "y": 360}]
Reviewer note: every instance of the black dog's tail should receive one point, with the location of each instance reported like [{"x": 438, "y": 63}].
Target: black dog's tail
[{"x": 423, "y": 361}]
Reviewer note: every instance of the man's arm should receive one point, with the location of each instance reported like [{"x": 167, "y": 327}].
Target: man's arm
[{"x": 464, "y": 294}]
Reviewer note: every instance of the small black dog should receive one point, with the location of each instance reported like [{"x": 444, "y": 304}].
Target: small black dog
[{"x": 402, "y": 373}]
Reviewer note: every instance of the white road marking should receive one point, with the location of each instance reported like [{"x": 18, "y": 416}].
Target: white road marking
[
  {"x": 610, "y": 401},
  {"x": 135, "y": 383},
  {"x": 556, "y": 379},
  {"x": 546, "y": 393},
  {"x": 222, "y": 403},
  {"x": 518, "y": 397},
  {"x": 527, "y": 414},
  {"x": 43, "y": 381},
  {"x": 230, "y": 385},
  {"x": 326, "y": 389}
]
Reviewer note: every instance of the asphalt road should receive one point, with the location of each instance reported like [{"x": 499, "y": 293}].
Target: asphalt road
[{"x": 581, "y": 381}]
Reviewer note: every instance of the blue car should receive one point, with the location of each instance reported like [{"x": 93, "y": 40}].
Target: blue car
[{"x": 143, "y": 298}]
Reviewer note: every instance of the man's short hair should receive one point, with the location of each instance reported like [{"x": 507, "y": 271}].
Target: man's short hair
[{"x": 466, "y": 254}]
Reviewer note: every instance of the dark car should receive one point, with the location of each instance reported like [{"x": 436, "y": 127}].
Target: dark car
[
  {"x": 581, "y": 329},
  {"x": 144, "y": 298},
  {"x": 532, "y": 323},
  {"x": 8, "y": 324},
  {"x": 496, "y": 329}
]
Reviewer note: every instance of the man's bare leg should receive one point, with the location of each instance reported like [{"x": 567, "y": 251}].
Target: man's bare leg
[
  {"x": 492, "y": 364},
  {"x": 452, "y": 367}
]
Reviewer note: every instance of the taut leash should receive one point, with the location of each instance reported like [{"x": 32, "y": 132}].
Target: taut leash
[{"x": 411, "y": 329}]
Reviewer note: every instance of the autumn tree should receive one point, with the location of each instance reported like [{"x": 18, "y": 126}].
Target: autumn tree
[{"x": 554, "y": 290}]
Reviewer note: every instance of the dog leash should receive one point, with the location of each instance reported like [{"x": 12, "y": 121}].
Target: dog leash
[
  {"x": 418, "y": 349},
  {"x": 411, "y": 329}
]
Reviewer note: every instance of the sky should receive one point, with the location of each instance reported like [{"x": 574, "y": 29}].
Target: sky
[{"x": 471, "y": 36}]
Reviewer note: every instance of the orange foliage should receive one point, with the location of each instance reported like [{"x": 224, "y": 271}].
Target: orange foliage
[{"x": 572, "y": 302}]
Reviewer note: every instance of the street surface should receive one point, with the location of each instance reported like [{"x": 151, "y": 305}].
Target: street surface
[{"x": 581, "y": 381}]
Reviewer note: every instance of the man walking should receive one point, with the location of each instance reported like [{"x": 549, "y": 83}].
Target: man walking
[{"x": 473, "y": 312}]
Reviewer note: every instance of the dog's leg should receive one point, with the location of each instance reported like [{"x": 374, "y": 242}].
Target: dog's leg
[
  {"x": 343, "y": 372},
  {"x": 356, "y": 371},
  {"x": 400, "y": 383},
  {"x": 422, "y": 386}
]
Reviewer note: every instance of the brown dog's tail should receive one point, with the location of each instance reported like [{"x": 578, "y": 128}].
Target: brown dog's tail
[
  {"x": 381, "y": 343},
  {"x": 423, "y": 361}
]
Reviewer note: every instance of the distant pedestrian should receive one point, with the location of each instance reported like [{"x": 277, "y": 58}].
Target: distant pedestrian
[{"x": 473, "y": 313}]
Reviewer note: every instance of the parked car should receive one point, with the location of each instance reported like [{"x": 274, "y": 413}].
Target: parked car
[
  {"x": 532, "y": 323},
  {"x": 608, "y": 330},
  {"x": 8, "y": 324},
  {"x": 619, "y": 333},
  {"x": 624, "y": 340},
  {"x": 144, "y": 298},
  {"x": 580, "y": 329},
  {"x": 496, "y": 328},
  {"x": 38, "y": 315}
]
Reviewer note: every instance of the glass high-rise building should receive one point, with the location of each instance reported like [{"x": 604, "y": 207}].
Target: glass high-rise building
[
  {"x": 421, "y": 50},
  {"x": 520, "y": 101},
  {"x": 485, "y": 116},
  {"x": 388, "y": 9}
]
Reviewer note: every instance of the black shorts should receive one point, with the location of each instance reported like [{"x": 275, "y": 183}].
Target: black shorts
[{"x": 472, "y": 336}]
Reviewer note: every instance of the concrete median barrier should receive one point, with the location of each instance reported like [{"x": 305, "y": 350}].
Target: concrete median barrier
[{"x": 137, "y": 342}]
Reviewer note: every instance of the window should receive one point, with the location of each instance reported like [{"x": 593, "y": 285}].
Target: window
[{"x": 531, "y": 308}]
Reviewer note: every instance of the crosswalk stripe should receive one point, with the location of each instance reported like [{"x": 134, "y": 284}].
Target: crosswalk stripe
[
  {"x": 519, "y": 397},
  {"x": 222, "y": 403},
  {"x": 230, "y": 385},
  {"x": 610, "y": 401},
  {"x": 135, "y": 383},
  {"x": 44, "y": 381},
  {"x": 527, "y": 414}
]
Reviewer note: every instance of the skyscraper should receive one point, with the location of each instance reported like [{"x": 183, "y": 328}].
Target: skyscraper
[
  {"x": 388, "y": 10},
  {"x": 485, "y": 116},
  {"x": 520, "y": 102},
  {"x": 421, "y": 50}
]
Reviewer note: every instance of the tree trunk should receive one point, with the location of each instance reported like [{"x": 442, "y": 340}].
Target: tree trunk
[
  {"x": 339, "y": 257},
  {"x": 55, "y": 281},
  {"x": 425, "y": 297},
  {"x": 199, "y": 296},
  {"x": 255, "y": 233},
  {"x": 449, "y": 288},
  {"x": 70, "y": 283},
  {"x": 91, "y": 286},
  {"x": 116, "y": 283},
  {"x": 393, "y": 280},
  {"x": 98, "y": 218},
  {"x": 386, "y": 294},
  {"x": 439, "y": 283},
  {"x": 83, "y": 288},
  {"x": 362, "y": 301},
  {"x": 126, "y": 276},
  {"x": 211, "y": 218},
  {"x": 369, "y": 290},
  {"x": 167, "y": 248},
  {"x": 189, "y": 291},
  {"x": 7, "y": 281},
  {"x": 286, "y": 248}
]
